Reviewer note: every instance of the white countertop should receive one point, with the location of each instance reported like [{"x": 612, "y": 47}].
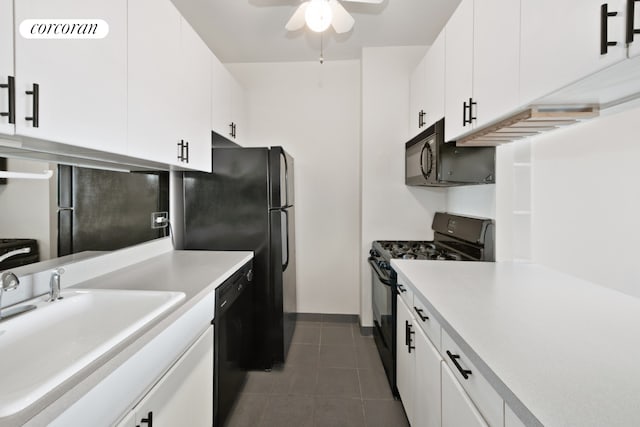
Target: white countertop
[
  {"x": 559, "y": 348},
  {"x": 196, "y": 273}
]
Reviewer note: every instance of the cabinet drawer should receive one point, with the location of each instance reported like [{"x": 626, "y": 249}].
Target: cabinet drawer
[
  {"x": 405, "y": 291},
  {"x": 426, "y": 321},
  {"x": 487, "y": 400}
]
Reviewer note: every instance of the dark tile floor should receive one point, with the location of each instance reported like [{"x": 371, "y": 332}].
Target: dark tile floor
[{"x": 333, "y": 377}]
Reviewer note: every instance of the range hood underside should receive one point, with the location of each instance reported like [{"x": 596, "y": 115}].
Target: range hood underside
[{"x": 526, "y": 123}]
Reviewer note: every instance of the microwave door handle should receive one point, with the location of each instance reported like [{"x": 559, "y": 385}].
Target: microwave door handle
[{"x": 426, "y": 148}]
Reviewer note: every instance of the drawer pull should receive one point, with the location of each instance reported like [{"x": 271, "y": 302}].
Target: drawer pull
[
  {"x": 454, "y": 358},
  {"x": 401, "y": 288},
  {"x": 420, "y": 313}
]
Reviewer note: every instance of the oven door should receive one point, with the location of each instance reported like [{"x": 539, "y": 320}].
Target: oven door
[{"x": 383, "y": 291}]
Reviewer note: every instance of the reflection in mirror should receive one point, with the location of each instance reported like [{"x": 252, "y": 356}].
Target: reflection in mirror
[{"x": 77, "y": 210}]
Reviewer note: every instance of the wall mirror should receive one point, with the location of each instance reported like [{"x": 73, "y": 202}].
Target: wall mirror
[{"x": 76, "y": 210}]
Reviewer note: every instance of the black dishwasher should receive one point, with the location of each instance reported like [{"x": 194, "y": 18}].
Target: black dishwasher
[{"x": 231, "y": 345}]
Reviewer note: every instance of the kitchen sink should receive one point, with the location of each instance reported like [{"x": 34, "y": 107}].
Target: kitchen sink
[{"x": 41, "y": 349}]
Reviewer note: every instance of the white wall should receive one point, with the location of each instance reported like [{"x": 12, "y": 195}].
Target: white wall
[
  {"x": 25, "y": 207},
  {"x": 586, "y": 200},
  {"x": 390, "y": 210},
  {"x": 475, "y": 200},
  {"x": 313, "y": 111}
]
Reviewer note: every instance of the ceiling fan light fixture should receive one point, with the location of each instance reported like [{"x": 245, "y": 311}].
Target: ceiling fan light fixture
[{"x": 318, "y": 15}]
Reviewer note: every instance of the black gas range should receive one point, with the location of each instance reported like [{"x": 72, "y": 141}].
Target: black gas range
[{"x": 456, "y": 238}]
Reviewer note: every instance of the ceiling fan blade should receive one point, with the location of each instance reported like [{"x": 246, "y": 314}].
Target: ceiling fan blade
[
  {"x": 296, "y": 21},
  {"x": 342, "y": 21},
  {"x": 365, "y": 1}
]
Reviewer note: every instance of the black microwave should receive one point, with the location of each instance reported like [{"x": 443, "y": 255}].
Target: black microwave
[{"x": 432, "y": 162}]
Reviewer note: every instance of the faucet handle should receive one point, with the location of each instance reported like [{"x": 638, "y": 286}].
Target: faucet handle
[
  {"x": 9, "y": 281},
  {"x": 59, "y": 271}
]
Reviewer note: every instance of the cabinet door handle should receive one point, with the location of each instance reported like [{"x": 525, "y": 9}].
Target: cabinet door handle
[
  {"x": 464, "y": 114},
  {"x": 234, "y": 131},
  {"x": 454, "y": 358},
  {"x": 421, "y": 115},
  {"x": 186, "y": 149},
  {"x": 35, "y": 92},
  {"x": 604, "y": 29},
  {"x": 401, "y": 288},
  {"x": 148, "y": 420},
  {"x": 420, "y": 313},
  {"x": 406, "y": 333},
  {"x": 410, "y": 332},
  {"x": 231, "y": 127},
  {"x": 11, "y": 110},
  {"x": 631, "y": 29},
  {"x": 181, "y": 150},
  {"x": 468, "y": 107},
  {"x": 472, "y": 116}
]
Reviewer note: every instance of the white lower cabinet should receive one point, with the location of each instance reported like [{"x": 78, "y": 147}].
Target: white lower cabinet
[
  {"x": 418, "y": 371},
  {"x": 457, "y": 409},
  {"x": 510, "y": 418},
  {"x": 405, "y": 359},
  {"x": 486, "y": 399},
  {"x": 438, "y": 384},
  {"x": 427, "y": 400},
  {"x": 184, "y": 395}
]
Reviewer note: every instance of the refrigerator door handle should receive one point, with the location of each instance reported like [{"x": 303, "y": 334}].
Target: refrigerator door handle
[
  {"x": 286, "y": 215},
  {"x": 286, "y": 178}
]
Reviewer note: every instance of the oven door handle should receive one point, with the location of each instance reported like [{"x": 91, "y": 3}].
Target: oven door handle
[{"x": 384, "y": 281}]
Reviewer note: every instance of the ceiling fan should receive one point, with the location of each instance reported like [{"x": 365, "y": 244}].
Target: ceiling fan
[{"x": 319, "y": 14}]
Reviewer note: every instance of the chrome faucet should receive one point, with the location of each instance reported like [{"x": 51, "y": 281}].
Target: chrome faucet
[
  {"x": 8, "y": 282},
  {"x": 54, "y": 284}
]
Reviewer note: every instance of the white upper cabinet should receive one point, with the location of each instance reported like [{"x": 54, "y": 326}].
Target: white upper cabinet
[
  {"x": 496, "y": 58},
  {"x": 195, "y": 98},
  {"x": 7, "y": 90},
  {"x": 435, "y": 80},
  {"x": 562, "y": 42},
  {"x": 482, "y": 64},
  {"x": 418, "y": 98},
  {"x": 459, "y": 66},
  {"x": 77, "y": 88},
  {"x": 169, "y": 87},
  {"x": 154, "y": 80},
  {"x": 426, "y": 96},
  {"x": 228, "y": 115},
  {"x": 221, "y": 87},
  {"x": 633, "y": 23},
  {"x": 238, "y": 112}
]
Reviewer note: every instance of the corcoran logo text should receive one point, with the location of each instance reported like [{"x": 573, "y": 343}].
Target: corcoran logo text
[{"x": 64, "y": 29}]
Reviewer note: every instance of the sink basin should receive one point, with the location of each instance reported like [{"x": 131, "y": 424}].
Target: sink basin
[{"x": 41, "y": 349}]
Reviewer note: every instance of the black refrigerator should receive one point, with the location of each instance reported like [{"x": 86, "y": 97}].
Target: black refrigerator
[{"x": 247, "y": 204}]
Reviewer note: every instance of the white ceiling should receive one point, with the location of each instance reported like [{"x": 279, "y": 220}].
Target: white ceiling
[{"x": 253, "y": 30}]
